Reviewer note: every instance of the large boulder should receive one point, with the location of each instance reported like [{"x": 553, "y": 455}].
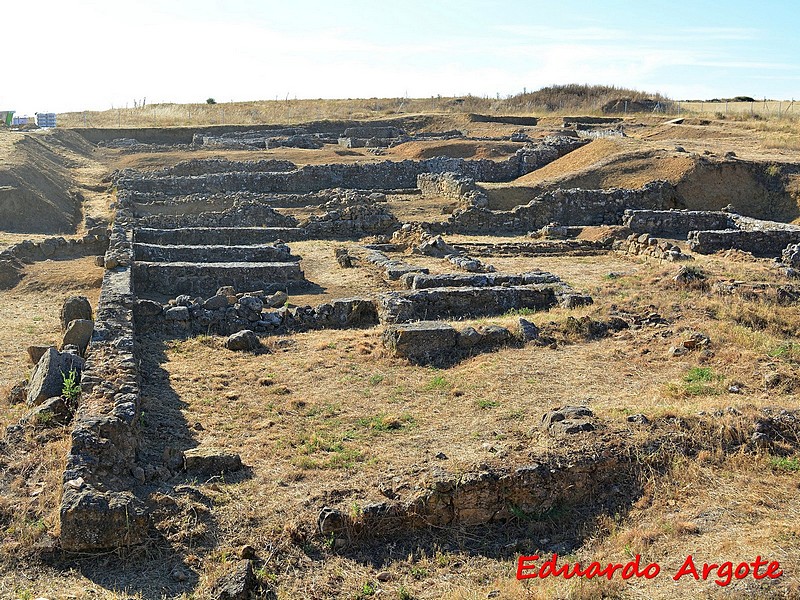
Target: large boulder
[
  {"x": 78, "y": 333},
  {"x": 75, "y": 307},
  {"x": 245, "y": 339},
  {"x": 48, "y": 375}
]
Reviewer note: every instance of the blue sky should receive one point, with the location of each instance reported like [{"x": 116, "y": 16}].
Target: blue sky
[{"x": 99, "y": 54}]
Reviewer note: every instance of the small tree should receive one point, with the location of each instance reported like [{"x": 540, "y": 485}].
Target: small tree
[{"x": 211, "y": 101}]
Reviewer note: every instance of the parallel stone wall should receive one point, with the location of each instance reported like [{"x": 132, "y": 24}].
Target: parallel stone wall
[
  {"x": 675, "y": 223},
  {"x": 13, "y": 258},
  {"x": 242, "y": 214},
  {"x": 383, "y": 175},
  {"x": 759, "y": 243},
  {"x": 460, "y": 302},
  {"x": 572, "y": 206}
]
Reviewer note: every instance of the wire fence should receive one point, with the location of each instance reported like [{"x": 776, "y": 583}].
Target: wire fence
[{"x": 765, "y": 108}]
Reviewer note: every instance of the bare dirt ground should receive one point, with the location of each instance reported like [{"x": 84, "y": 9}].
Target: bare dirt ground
[{"x": 327, "y": 418}]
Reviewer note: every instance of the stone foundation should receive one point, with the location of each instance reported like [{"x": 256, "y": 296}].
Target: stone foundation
[
  {"x": 675, "y": 223},
  {"x": 205, "y": 254},
  {"x": 217, "y": 236},
  {"x": 204, "y": 279},
  {"x": 463, "y": 302}
]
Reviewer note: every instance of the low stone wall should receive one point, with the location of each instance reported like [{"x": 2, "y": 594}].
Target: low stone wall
[
  {"x": 207, "y": 254},
  {"x": 193, "y": 317},
  {"x": 419, "y": 281},
  {"x": 98, "y": 510},
  {"x": 204, "y": 166},
  {"x": 14, "y": 257},
  {"x": 241, "y": 214},
  {"x": 445, "y": 499},
  {"x": 198, "y": 236},
  {"x": 769, "y": 243},
  {"x": 645, "y": 245},
  {"x": 355, "y": 220},
  {"x": 452, "y": 186},
  {"x": 441, "y": 345},
  {"x": 203, "y": 279},
  {"x": 382, "y": 175},
  {"x": 569, "y": 207},
  {"x": 542, "y": 248},
  {"x": 463, "y": 302},
  {"x": 675, "y": 223},
  {"x": 393, "y": 269}
]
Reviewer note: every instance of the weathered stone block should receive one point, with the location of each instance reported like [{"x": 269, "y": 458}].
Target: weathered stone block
[
  {"x": 75, "y": 307},
  {"x": 424, "y": 342},
  {"x": 78, "y": 333},
  {"x": 48, "y": 375},
  {"x": 243, "y": 340},
  {"x": 92, "y": 520},
  {"x": 210, "y": 461}
]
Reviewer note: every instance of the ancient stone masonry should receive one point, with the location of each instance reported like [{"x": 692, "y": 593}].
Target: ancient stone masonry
[
  {"x": 462, "y": 302},
  {"x": 761, "y": 238},
  {"x": 572, "y": 206},
  {"x": 383, "y": 175},
  {"x": 256, "y": 311},
  {"x": 419, "y": 281},
  {"x": 355, "y": 220},
  {"x": 393, "y": 269},
  {"x": 149, "y": 204},
  {"x": 441, "y": 345},
  {"x": 544, "y": 248},
  {"x": 675, "y": 223},
  {"x": 231, "y": 236},
  {"x": 241, "y": 214},
  {"x": 204, "y": 278},
  {"x": 13, "y": 258},
  {"x": 98, "y": 509},
  {"x": 202, "y": 166},
  {"x": 452, "y": 186},
  {"x": 645, "y": 245},
  {"x": 445, "y": 499}
]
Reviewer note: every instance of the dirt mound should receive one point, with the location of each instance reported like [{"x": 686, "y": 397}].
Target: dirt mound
[
  {"x": 754, "y": 189},
  {"x": 455, "y": 149},
  {"x": 582, "y": 158},
  {"x": 36, "y": 194}
]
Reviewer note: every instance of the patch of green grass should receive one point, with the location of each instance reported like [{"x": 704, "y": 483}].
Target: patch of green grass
[
  {"x": 437, "y": 383},
  {"x": 514, "y": 415},
  {"x": 404, "y": 594},
  {"x": 785, "y": 464},
  {"x": 376, "y": 379},
  {"x": 324, "y": 451},
  {"x": 519, "y": 312},
  {"x": 367, "y": 590},
  {"x": 700, "y": 374},
  {"x": 698, "y": 381},
  {"x": 382, "y": 423},
  {"x": 789, "y": 351},
  {"x": 486, "y": 404}
]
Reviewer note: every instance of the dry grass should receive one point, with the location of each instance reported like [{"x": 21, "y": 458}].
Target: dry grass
[
  {"x": 559, "y": 99},
  {"x": 326, "y": 417}
]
